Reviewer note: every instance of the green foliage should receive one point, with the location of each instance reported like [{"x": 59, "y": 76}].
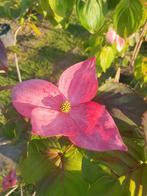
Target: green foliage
[
  {"x": 141, "y": 69},
  {"x": 91, "y": 14},
  {"x": 105, "y": 185},
  {"x": 58, "y": 166},
  {"x": 13, "y": 126},
  {"x": 107, "y": 56},
  {"x": 9, "y": 9},
  {"x": 26, "y": 4},
  {"x": 62, "y": 10},
  {"x": 123, "y": 171},
  {"x": 94, "y": 170},
  {"x": 128, "y": 16}
]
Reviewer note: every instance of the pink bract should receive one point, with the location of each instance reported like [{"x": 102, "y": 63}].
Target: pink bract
[
  {"x": 112, "y": 37},
  {"x": 9, "y": 181},
  {"x": 67, "y": 110}
]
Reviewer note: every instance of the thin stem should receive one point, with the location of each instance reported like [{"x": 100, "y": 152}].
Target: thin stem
[
  {"x": 16, "y": 33},
  {"x": 21, "y": 191},
  {"x": 138, "y": 45},
  {"x": 15, "y": 55},
  {"x": 117, "y": 75},
  {"x": 11, "y": 191},
  {"x": 144, "y": 119},
  {"x": 17, "y": 67},
  {"x": 34, "y": 194}
]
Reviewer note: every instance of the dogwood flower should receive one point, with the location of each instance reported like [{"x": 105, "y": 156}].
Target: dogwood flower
[
  {"x": 9, "y": 181},
  {"x": 67, "y": 110},
  {"x": 112, "y": 37}
]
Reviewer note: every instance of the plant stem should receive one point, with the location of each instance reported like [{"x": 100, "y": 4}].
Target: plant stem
[
  {"x": 11, "y": 191},
  {"x": 15, "y": 56},
  {"x": 17, "y": 67},
  {"x": 21, "y": 191},
  {"x": 117, "y": 75},
  {"x": 34, "y": 194},
  {"x": 144, "y": 119},
  {"x": 138, "y": 46}
]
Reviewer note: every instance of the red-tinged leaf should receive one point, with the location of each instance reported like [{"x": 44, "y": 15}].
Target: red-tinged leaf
[{"x": 125, "y": 105}]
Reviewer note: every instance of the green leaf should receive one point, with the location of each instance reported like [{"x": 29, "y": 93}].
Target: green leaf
[
  {"x": 93, "y": 170},
  {"x": 134, "y": 182},
  {"x": 9, "y": 9},
  {"x": 14, "y": 126},
  {"x": 91, "y": 14},
  {"x": 40, "y": 155},
  {"x": 67, "y": 179},
  {"x": 125, "y": 175},
  {"x": 143, "y": 179},
  {"x": 125, "y": 105},
  {"x": 57, "y": 168},
  {"x": 61, "y": 9},
  {"x": 26, "y": 4},
  {"x": 128, "y": 16},
  {"x": 140, "y": 72},
  {"x": 106, "y": 57},
  {"x": 106, "y": 185},
  {"x": 112, "y": 4}
]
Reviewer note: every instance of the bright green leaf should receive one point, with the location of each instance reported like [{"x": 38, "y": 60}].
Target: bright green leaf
[
  {"x": 106, "y": 57},
  {"x": 66, "y": 179},
  {"x": 61, "y": 9},
  {"x": 91, "y": 14},
  {"x": 128, "y": 17}
]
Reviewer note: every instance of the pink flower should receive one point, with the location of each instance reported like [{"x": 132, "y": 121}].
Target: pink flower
[
  {"x": 68, "y": 110},
  {"x": 112, "y": 37},
  {"x": 9, "y": 181}
]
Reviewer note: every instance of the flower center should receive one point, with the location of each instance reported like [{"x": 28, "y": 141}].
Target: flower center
[{"x": 65, "y": 107}]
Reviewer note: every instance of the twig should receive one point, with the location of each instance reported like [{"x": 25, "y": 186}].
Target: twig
[
  {"x": 11, "y": 191},
  {"x": 138, "y": 46},
  {"x": 16, "y": 33},
  {"x": 144, "y": 119},
  {"x": 21, "y": 190},
  {"x": 17, "y": 67},
  {"x": 34, "y": 194},
  {"x": 117, "y": 75},
  {"x": 15, "y": 56}
]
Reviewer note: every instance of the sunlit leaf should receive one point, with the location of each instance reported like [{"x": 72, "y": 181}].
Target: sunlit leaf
[
  {"x": 61, "y": 9},
  {"x": 106, "y": 57},
  {"x": 91, "y": 14},
  {"x": 35, "y": 29},
  {"x": 140, "y": 72},
  {"x": 57, "y": 168},
  {"x": 128, "y": 17}
]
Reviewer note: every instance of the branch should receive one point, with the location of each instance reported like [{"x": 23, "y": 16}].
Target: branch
[{"x": 138, "y": 46}]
